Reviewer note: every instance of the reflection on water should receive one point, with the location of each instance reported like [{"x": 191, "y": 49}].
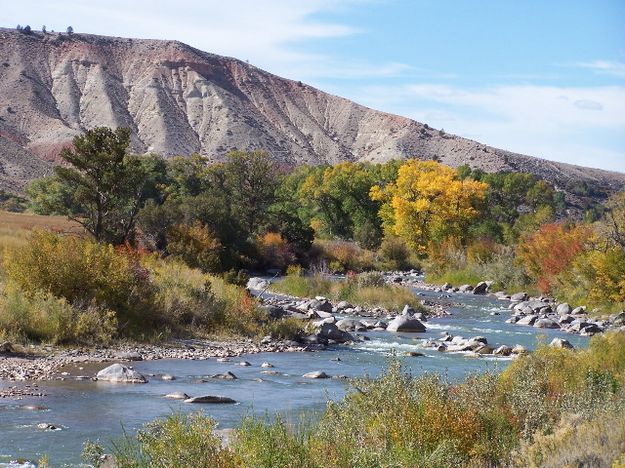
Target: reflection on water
[{"x": 101, "y": 411}]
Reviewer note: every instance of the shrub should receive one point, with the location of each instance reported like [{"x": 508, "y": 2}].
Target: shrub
[
  {"x": 275, "y": 251},
  {"x": 344, "y": 255},
  {"x": 370, "y": 279},
  {"x": 44, "y": 317},
  {"x": 82, "y": 271},
  {"x": 178, "y": 441},
  {"x": 598, "y": 441},
  {"x": 196, "y": 245},
  {"x": 395, "y": 255},
  {"x": 551, "y": 251}
]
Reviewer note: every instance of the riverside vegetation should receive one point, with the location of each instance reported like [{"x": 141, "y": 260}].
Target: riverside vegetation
[
  {"x": 555, "y": 407},
  {"x": 166, "y": 245}
]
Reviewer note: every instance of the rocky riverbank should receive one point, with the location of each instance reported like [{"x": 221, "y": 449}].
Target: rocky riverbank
[
  {"x": 538, "y": 312},
  {"x": 46, "y": 362}
]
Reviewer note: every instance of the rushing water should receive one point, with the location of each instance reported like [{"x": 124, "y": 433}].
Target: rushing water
[{"x": 101, "y": 411}]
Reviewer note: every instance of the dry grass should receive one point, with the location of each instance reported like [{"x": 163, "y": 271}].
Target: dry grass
[{"x": 24, "y": 221}]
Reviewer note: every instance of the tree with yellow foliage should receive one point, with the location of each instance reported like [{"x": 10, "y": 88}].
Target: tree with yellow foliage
[{"x": 428, "y": 202}]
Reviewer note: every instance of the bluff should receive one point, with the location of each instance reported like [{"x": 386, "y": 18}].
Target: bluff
[{"x": 180, "y": 100}]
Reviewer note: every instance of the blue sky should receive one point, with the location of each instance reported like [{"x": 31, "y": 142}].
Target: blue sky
[{"x": 545, "y": 78}]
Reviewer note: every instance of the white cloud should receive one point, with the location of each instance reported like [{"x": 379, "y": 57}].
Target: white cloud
[{"x": 605, "y": 67}]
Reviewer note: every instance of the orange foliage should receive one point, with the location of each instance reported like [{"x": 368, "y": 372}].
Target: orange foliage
[
  {"x": 275, "y": 251},
  {"x": 551, "y": 251}
]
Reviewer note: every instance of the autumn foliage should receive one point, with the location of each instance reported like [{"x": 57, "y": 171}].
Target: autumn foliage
[
  {"x": 428, "y": 201},
  {"x": 551, "y": 250}
]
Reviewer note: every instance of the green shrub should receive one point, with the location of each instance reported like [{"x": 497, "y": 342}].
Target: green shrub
[
  {"x": 394, "y": 254},
  {"x": 178, "y": 441},
  {"x": 43, "y": 317},
  {"x": 598, "y": 441},
  {"x": 370, "y": 279},
  {"x": 82, "y": 271}
]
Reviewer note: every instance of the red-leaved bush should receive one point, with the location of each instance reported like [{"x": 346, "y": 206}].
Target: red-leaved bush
[{"x": 551, "y": 250}]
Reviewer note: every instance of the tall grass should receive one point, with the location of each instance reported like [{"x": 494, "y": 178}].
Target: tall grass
[{"x": 367, "y": 290}]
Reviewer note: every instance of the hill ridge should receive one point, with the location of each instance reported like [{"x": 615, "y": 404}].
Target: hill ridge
[{"x": 178, "y": 99}]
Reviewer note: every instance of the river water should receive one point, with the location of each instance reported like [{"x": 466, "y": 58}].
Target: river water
[{"x": 101, "y": 411}]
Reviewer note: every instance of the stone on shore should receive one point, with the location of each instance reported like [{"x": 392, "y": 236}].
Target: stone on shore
[
  {"x": 481, "y": 288},
  {"x": 118, "y": 373},
  {"x": 256, "y": 283},
  {"x": 561, "y": 343},
  {"x": 564, "y": 309}
]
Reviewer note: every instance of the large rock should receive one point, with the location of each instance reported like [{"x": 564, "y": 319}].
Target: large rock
[
  {"x": 403, "y": 323},
  {"x": 465, "y": 288},
  {"x": 564, "y": 309},
  {"x": 119, "y": 373},
  {"x": 349, "y": 325},
  {"x": 214, "y": 399},
  {"x": 503, "y": 350},
  {"x": 316, "y": 375},
  {"x": 481, "y": 288},
  {"x": 329, "y": 331},
  {"x": 344, "y": 305},
  {"x": 546, "y": 323},
  {"x": 256, "y": 283},
  {"x": 520, "y": 296},
  {"x": 528, "y": 320},
  {"x": 560, "y": 343},
  {"x": 225, "y": 376}
]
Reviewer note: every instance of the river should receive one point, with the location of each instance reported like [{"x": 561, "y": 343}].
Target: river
[{"x": 101, "y": 411}]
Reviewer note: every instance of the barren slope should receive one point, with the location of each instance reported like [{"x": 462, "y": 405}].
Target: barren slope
[{"x": 179, "y": 100}]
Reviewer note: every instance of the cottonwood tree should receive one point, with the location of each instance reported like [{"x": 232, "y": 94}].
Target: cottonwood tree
[{"x": 428, "y": 202}]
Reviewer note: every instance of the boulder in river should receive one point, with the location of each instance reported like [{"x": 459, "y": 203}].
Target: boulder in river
[
  {"x": 348, "y": 325},
  {"x": 465, "y": 288},
  {"x": 404, "y": 323},
  {"x": 225, "y": 376},
  {"x": 527, "y": 320},
  {"x": 48, "y": 427},
  {"x": 118, "y": 373},
  {"x": 329, "y": 331},
  {"x": 316, "y": 375},
  {"x": 214, "y": 399},
  {"x": 503, "y": 350}
]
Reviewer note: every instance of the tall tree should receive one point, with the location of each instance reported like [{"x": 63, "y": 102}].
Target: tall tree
[
  {"x": 103, "y": 187},
  {"x": 428, "y": 202}
]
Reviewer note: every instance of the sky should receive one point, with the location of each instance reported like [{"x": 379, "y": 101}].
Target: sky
[{"x": 544, "y": 78}]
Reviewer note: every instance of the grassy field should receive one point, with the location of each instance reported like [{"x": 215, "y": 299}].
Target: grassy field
[{"x": 24, "y": 221}]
